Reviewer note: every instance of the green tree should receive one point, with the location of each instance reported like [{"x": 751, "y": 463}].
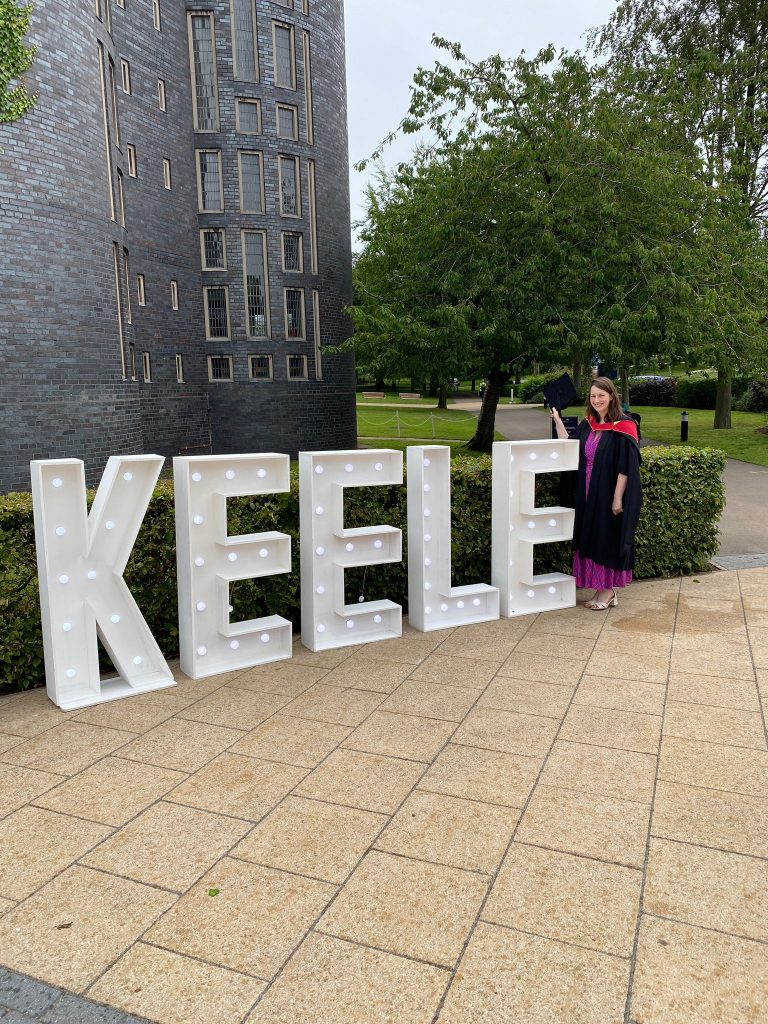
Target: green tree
[
  {"x": 15, "y": 59},
  {"x": 555, "y": 217},
  {"x": 710, "y": 60}
]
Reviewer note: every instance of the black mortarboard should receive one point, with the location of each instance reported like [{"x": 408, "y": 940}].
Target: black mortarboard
[{"x": 560, "y": 393}]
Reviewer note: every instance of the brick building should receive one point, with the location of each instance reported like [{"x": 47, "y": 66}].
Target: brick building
[{"x": 174, "y": 213}]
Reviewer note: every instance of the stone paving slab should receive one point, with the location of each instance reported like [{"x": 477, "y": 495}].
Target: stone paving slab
[{"x": 556, "y": 819}]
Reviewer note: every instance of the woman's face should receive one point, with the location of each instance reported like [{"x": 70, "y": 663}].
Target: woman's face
[{"x": 600, "y": 401}]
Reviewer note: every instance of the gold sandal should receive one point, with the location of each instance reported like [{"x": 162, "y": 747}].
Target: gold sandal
[{"x": 603, "y": 606}]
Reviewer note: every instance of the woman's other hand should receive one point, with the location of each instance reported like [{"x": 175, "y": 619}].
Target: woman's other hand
[{"x": 618, "y": 506}]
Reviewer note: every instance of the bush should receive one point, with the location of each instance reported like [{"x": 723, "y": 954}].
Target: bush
[
  {"x": 658, "y": 391},
  {"x": 677, "y": 534},
  {"x": 755, "y": 398},
  {"x": 530, "y": 391},
  {"x": 701, "y": 392}
]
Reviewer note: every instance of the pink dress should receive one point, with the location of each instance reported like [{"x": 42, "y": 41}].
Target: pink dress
[{"x": 591, "y": 575}]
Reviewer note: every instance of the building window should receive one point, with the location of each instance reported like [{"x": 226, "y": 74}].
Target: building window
[
  {"x": 132, "y": 166},
  {"x": 210, "y": 191},
  {"x": 308, "y": 91},
  {"x": 260, "y": 367},
  {"x": 121, "y": 198},
  {"x": 245, "y": 50},
  {"x": 99, "y": 11},
  {"x": 294, "y": 313},
  {"x": 120, "y": 4},
  {"x": 285, "y": 3},
  {"x": 293, "y": 252},
  {"x": 256, "y": 284},
  {"x": 146, "y": 367},
  {"x": 132, "y": 360},
  {"x": 167, "y": 172},
  {"x": 305, "y": 6},
  {"x": 213, "y": 249},
  {"x": 127, "y": 279},
  {"x": 202, "y": 59},
  {"x": 220, "y": 368},
  {"x": 113, "y": 92},
  {"x": 287, "y": 118},
  {"x": 249, "y": 117},
  {"x": 125, "y": 71},
  {"x": 179, "y": 368},
  {"x": 161, "y": 94},
  {"x": 290, "y": 198},
  {"x": 312, "y": 215},
  {"x": 216, "y": 312},
  {"x": 141, "y": 290},
  {"x": 316, "y": 333},
  {"x": 250, "y": 167},
  {"x": 156, "y": 19},
  {"x": 105, "y": 118},
  {"x": 297, "y": 367},
  {"x": 284, "y": 56},
  {"x": 119, "y": 304},
  {"x": 174, "y": 294}
]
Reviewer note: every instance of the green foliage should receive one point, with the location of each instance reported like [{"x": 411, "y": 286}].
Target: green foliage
[
  {"x": 531, "y": 388},
  {"x": 755, "y": 398},
  {"x": 701, "y": 392},
  {"x": 678, "y": 532},
  {"x": 660, "y": 391},
  {"x": 15, "y": 59}
]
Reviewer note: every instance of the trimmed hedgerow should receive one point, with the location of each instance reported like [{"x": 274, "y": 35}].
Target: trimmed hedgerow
[
  {"x": 653, "y": 391},
  {"x": 677, "y": 534}
]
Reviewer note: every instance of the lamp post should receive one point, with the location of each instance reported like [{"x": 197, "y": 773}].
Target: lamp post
[{"x": 684, "y": 427}]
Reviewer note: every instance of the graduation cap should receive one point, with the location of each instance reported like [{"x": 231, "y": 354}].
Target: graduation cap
[{"x": 560, "y": 393}]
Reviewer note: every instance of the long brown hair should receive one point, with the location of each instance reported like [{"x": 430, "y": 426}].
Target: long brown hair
[{"x": 614, "y": 407}]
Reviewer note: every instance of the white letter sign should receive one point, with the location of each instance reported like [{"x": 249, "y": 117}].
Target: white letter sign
[
  {"x": 518, "y": 525},
  {"x": 80, "y": 560},
  {"x": 209, "y": 560},
  {"x": 432, "y": 602},
  {"x": 327, "y": 549}
]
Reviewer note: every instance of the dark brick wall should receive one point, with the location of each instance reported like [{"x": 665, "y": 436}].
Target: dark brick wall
[{"x": 62, "y": 391}]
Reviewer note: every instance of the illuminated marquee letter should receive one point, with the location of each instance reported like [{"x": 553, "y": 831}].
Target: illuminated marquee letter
[
  {"x": 80, "y": 561},
  {"x": 432, "y": 602},
  {"x": 208, "y": 560},
  {"x": 518, "y": 525},
  {"x": 327, "y": 549}
]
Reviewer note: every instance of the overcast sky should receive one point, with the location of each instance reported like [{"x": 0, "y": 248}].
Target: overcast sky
[{"x": 388, "y": 41}]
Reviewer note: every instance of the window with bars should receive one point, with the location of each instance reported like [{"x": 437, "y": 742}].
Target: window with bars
[
  {"x": 174, "y": 294},
  {"x": 294, "y": 313},
  {"x": 179, "y": 368},
  {"x": 260, "y": 367},
  {"x": 216, "y": 312},
  {"x": 156, "y": 18},
  {"x": 213, "y": 249},
  {"x": 251, "y": 182},
  {"x": 205, "y": 100},
  {"x": 245, "y": 52},
  {"x": 297, "y": 367},
  {"x": 209, "y": 182},
  {"x": 161, "y": 102},
  {"x": 167, "y": 180},
  {"x": 290, "y": 200},
  {"x": 284, "y": 56},
  {"x": 220, "y": 368},
  {"x": 132, "y": 165},
  {"x": 146, "y": 367},
  {"x": 125, "y": 72},
  {"x": 293, "y": 252},
  {"x": 255, "y": 283},
  {"x": 287, "y": 118},
  {"x": 249, "y": 117}
]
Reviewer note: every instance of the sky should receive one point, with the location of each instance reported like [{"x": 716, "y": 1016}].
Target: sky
[{"x": 387, "y": 41}]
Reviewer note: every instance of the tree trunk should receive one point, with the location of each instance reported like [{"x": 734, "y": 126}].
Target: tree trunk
[
  {"x": 433, "y": 388},
  {"x": 442, "y": 397},
  {"x": 624, "y": 385},
  {"x": 518, "y": 376},
  {"x": 578, "y": 362},
  {"x": 473, "y": 384},
  {"x": 536, "y": 368},
  {"x": 380, "y": 386},
  {"x": 723, "y": 399},
  {"x": 486, "y": 424}
]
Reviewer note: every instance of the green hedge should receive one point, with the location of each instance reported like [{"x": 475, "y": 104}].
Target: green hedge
[{"x": 677, "y": 534}]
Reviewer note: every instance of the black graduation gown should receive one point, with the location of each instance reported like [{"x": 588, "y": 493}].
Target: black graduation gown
[{"x": 598, "y": 534}]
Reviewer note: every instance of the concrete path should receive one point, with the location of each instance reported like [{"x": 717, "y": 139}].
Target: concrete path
[
  {"x": 551, "y": 819},
  {"x": 744, "y": 524}
]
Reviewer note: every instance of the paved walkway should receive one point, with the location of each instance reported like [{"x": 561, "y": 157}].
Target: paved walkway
[{"x": 556, "y": 819}]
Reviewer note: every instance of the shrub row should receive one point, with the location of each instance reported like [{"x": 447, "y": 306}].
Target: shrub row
[{"x": 677, "y": 534}]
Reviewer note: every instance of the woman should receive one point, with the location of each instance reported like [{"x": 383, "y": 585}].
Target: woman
[{"x": 608, "y": 495}]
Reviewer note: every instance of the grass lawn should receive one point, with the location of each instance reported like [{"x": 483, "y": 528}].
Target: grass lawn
[
  {"x": 740, "y": 442},
  {"x": 444, "y": 424},
  {"x": 400, "y": 444}
]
